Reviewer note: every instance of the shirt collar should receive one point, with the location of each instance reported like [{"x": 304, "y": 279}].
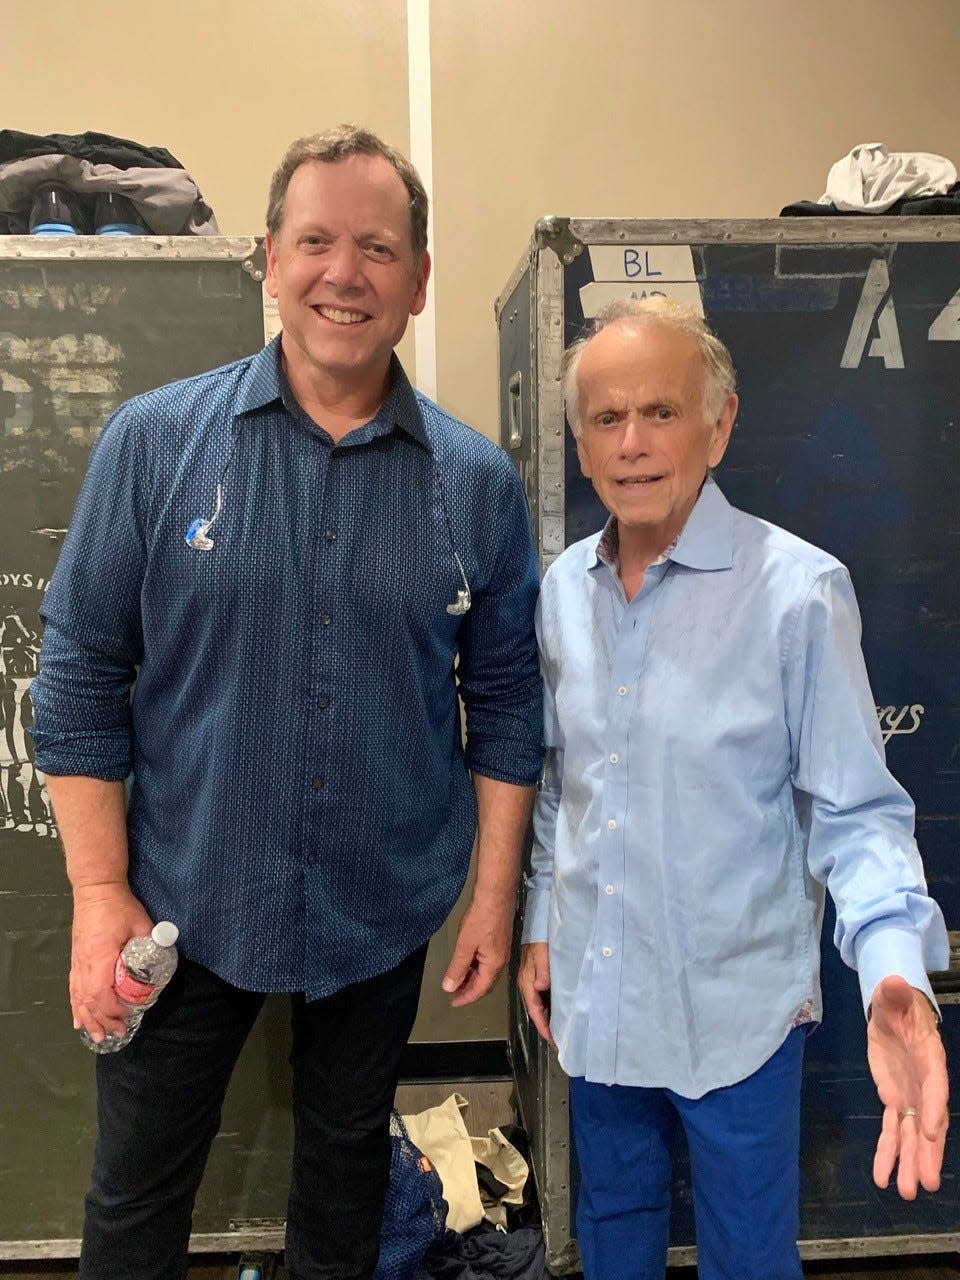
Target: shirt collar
[
  {"x": 705, "y": 542},
  {"x": 265, "y": 381}
]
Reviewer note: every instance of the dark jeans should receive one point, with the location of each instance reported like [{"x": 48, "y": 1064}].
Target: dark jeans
[{"x": 158, "y": 1108}]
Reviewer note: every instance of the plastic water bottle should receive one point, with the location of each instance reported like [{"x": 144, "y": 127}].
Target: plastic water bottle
[{"x": 144, "y": 967}]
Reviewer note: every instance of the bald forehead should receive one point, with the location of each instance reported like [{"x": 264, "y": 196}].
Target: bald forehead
[
  {"x": 633, "y": 338},
  {"x": 631, "y": 348}
]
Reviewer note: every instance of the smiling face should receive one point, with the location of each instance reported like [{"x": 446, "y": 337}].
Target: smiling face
[
  {"x": 646, "y": 438},
  {"x": 344, "y": 273}
]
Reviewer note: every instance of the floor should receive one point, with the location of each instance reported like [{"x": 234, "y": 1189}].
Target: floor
[
  {"x": 489, "y": 1105},
  {"x": 225, "y": 1267}
]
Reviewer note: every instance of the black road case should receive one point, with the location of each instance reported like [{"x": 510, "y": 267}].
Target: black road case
[{"x": 846, "y": 337}]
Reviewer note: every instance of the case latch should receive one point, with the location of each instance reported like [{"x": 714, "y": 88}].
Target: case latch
[{"x": 553, "y": 232}]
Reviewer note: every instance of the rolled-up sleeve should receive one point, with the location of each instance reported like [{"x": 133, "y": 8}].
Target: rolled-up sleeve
[
  {"x": 93, "y": 639},
  {"x": 861, "y": 842},
  {"x": 499, "y": 673}
]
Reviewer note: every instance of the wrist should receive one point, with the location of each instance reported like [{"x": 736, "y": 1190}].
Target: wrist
[
  {"x": 494, "y": 895},
  {"x": 99, "y": 890}
]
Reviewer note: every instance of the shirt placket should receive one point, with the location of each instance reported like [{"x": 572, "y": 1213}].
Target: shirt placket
[
  {"x": 612, "y": 885},
  {"x": 324, "y": 697}
]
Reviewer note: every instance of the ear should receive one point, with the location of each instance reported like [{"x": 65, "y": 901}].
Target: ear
[
  {"x": 721, "y": 429},
  {"x": 271, "y": 280},
  {"x": 420, "y": 293}
]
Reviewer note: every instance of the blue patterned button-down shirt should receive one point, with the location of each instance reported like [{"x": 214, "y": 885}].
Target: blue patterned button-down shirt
[
  {"x": 713, "y": 759},
  {"x": 300, "y": 801}
]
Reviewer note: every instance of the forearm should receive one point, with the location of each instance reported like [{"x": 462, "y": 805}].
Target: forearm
[
  {"x": 483, "y": 940},
  {"x": 503, "y": 815},
  {"x": 91, "y": 816}
]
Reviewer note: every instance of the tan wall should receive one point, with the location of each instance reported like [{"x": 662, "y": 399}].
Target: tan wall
[
  {"x": 686, "y": 108},
  {"x": 655, "y": 108},
  {"x": 679, "y": 108},
  {"x": 225, "y": 85}
]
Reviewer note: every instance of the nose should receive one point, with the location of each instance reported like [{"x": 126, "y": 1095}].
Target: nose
[
  {"x": 342, "y": 265},
  {"x": 633, "y": 442}
]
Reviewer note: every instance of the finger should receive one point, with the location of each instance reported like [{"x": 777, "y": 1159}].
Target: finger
[
  {"x": 74, "y": 1007},
  {"x": 934, "y": 1094},
  {"x": 480, "y": 981},
  {"x": 461, "y": 962},
  {"x": 541, "y": 979},
  {"x": 87, "y": 1021},
  {"x": 907, "y": 1179},
  {"x": 929, "y": 1163},
  {"x": 106, "y": 1007},
  {"x": 471, "y": 988},
  {"x": 539, "y": 1015},
  {"x": 101, "y": 1021},
  {"x": 888, "y": 1145},
  {"x": 930, "y": 1158}
]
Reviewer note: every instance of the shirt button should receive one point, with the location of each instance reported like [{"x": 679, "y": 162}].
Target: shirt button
[
  {"x": 319, "y": 782},
  {"x": 330, "y": 535},
  {"x": 325, "y": 620},
  {"x": 311, "y": 859},
  {"x": 608, "y": 951},
  {"x": 622, "y": 690},
  {"x": 612, "y": 824},
  {"x": 323, "y": 703},
  {"x": 614, "y": 758},
  {"x": 608, "y": 888}
]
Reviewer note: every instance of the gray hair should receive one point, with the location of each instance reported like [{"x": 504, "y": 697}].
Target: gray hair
[
  {"x": 720, "y": 378},
  {"x": 336, "y": 144}
]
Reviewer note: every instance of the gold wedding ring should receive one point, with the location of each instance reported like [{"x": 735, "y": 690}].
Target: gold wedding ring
[{"x": 908, "y": 1111}]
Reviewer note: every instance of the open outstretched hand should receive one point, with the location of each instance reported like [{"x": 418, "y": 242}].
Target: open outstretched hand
[{"x": 909, "y": 1068}]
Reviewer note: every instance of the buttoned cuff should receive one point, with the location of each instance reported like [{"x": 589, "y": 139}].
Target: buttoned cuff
[
  {"x": 536, "y": 915},
  {"x": 887, "y": 951}
]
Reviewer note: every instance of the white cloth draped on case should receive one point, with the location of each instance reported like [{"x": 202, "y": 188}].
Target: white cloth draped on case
[{"x": 871, "y": 179}]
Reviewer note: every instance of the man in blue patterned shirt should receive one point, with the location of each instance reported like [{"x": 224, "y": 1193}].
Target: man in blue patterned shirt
[
  {"x": 714, "y": 760},
  {"x": 301, "y": 560}
]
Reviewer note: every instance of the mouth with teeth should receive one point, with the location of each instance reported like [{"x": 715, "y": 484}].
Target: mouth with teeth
[
  {"x": 337, "y": 316},
  {"x": 632, "y": 481}
]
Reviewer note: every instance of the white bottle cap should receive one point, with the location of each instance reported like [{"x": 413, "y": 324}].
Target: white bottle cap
[{"x": 165, "y": 934}]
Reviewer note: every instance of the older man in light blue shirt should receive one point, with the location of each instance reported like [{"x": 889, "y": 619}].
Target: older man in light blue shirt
[{"x": 714, "y": 761}]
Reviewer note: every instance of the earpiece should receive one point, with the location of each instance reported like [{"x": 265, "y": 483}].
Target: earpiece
[
  {"x": 196, "y": 535},
  {"x": 461, "y": 604}
]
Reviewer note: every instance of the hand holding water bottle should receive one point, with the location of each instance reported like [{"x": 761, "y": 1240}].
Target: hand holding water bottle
[
  {"x": 143, "y": 968},
  {"x": 106, "y": 916}
]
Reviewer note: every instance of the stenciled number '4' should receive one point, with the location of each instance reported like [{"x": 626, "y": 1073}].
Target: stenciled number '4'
[{"x": 876, "y": 301}]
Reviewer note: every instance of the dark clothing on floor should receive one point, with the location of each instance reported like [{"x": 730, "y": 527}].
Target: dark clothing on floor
[{"x": 488, "y": 1254}]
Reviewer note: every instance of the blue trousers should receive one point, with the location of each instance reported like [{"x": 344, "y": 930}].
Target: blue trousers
[
  {"x": 744, "y": 1143},
  {"x": 158, "y": 1111}
]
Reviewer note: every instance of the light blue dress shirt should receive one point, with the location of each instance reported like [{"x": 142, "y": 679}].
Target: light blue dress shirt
[{"x": 713, "y": 760}]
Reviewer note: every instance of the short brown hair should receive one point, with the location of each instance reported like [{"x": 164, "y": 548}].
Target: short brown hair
[{"x": 336, "y": 144}]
